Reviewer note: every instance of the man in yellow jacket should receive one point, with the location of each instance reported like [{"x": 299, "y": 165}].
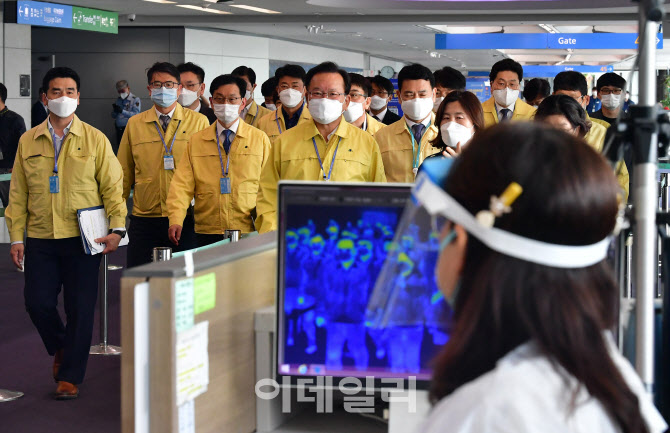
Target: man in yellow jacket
[
  {"x": 359, "y": 104},
  {"x": 221, "y": 168},
  {"x": 574, "y": 85},
  {"x": 406, "y": 143},
  {"x": 62, "y": 165},
  {"x": 505, "y": 105},
  {"x": 150, "y": 151},
  {"x": 252, "y": 112},
  {"x": 293, "y": 110},
  {"x": 326, "y": 148}
]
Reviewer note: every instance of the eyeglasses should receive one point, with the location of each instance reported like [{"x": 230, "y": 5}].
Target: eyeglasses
[
  {"x": 609, "y": 91},
  {"x": 235, "y": 100},
  {"x": 382, "y": 93},
  {"x": 511, "y": 85},
  {"x": 330, "y": 95},
  {"x": 356, "y": 95},
  {"x": 166, "y": 84},
  {"x": 192, "y": 86}
]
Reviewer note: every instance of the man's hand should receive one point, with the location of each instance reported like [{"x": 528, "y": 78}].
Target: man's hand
[
  {"x": 16, "y": 251},
  {"x": 174, "y": 233},
  {"x": 116, "y": 108},
  {"x": 111, "y": 242}
]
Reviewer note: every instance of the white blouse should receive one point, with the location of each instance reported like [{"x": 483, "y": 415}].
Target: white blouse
[{"x": 526, "y": 393}]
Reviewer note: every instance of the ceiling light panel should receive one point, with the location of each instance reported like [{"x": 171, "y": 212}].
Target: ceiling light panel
[
  {"x": 201, "y": 9},
  {"x": 255, "y": 9}
]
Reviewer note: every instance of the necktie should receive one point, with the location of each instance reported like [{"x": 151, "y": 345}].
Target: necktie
[
  {"x": 226, "y": 141},
  {"x": 507, "y": 114},
  {"x": 165, "y": 121},
  {"x": 376, "y": 118},
  {"x": 417, "y": 131}
]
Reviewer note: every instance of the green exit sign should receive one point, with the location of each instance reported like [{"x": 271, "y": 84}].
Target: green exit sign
[{"x": 95, "y": 20}]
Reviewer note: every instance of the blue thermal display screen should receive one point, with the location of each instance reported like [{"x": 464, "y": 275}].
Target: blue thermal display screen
[{"x": 332, "y": 253}]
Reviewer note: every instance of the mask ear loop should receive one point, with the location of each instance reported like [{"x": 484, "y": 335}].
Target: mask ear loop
[{"x": 447, "y": 240}]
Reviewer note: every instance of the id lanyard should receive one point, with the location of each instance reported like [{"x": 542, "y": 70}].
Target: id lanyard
[
  {"x": 332, "y": 162},
  {"x": 54, "y": 184},
  {"x": 168, "y": 159},
  {"x": 416, "y": 154},
  {"x": 256, "y": 115},
  {"x": 224, "y": 183},
  {"x": 278, "y": 125}
]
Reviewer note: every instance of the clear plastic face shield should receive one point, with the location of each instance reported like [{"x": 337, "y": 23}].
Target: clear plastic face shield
[{"x": 406, "y": 293}]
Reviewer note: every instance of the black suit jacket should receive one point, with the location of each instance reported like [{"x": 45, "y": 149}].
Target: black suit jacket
[
  {"x": 37, "y": 114},
  {"x": 208, "y": 112},
  {"x": 12, "y": 128},
  {"x": 390, "y": 117}
]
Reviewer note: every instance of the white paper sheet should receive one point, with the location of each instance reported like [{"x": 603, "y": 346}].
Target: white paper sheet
[
  {"x": 192, "y": 362},
  {"x": 187, "y": 417},
  {"x": 94, "y": 224},
  {"x": 183, "y": 304}
]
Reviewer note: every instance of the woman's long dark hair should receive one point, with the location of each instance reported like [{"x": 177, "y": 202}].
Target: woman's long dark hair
[
  {"x": 471, "y": 106},
  {"x": 570, "y": 198},
  {"x": 565, "y": 106}
]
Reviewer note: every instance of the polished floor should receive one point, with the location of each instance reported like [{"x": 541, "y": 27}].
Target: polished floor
[{"x": 25, "y": 366}]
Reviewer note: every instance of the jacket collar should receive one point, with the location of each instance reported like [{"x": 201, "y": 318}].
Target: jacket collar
[
  {"x": 209, "y": 133},
  {"x": 153, "y": 117},
  {"x": 401, "y": 125},
  {"x": 343, "y": 129},
  {"x": 76, "y": 128}
]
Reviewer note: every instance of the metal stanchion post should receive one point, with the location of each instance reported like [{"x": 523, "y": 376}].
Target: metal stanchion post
[
  {"x": 7, "y": 395},
  {"x": 103, "y": 348},
  {"x": 233, "y": 235}
]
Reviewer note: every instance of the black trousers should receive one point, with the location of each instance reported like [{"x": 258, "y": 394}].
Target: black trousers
[
  {"x": 147, "y": 233},
  {"x": 119, "y": 135},
  {"x": 49, "y": 265},
  {"x": 204, "y": 239}
]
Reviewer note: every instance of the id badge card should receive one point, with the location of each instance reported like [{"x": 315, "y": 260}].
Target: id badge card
[
  {"x": 54, "y": 185},
  {"x": 168, "y": 162},
  {"x": 225, "y": 185}
]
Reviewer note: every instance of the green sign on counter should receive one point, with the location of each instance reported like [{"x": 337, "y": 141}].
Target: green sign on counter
[{"x": 95, "y": 20}]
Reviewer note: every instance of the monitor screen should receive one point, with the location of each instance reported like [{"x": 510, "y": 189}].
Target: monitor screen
[{"x": 333, "y": 242}]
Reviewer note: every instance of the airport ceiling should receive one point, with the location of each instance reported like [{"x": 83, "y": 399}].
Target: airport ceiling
[{"x": 401, "y": 30}]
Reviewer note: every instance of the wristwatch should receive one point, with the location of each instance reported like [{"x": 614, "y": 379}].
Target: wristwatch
[{"x": 121, "y": 233}]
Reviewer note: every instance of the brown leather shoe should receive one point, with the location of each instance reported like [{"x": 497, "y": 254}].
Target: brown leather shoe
[
  {"x": 66, "y": 391},
  {"x": 58, "y": 360}
]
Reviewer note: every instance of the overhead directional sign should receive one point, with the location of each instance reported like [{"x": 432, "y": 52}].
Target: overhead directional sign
[
  {"x": 530, "y": 41},
  {"x": 67, "y": 17},
  {"x": 544, "y": 71}
]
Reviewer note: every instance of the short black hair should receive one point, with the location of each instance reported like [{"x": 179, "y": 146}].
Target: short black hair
[
  {"x": 192, "y": 67},
  {"x": 571, "y": 80},
  {"x": 331, "y": 68},
  {"x": 506, "y": 65},
  {"x": 245, "y": 71},
  {"x": 3, "y": 93},
  {"x": 362, "y": 82},
  {"x": 293, "y": 71},
  {"x": 450, "y": 78},
  {"x": 611, "y": 79},
  {"x": 415, "y": 71},
  {"x": 382, "y": 82},
  {"x": 60, "y": 72},
  {"x": 536, "y": 87},
  {"x": 566, "y": 106},
  {"x": 222, "y": 80},
  {"x": 166, "y": 68},
  {"x": 269, "y": 87}
]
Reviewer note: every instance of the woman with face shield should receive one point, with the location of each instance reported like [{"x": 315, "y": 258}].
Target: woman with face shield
[{"x": 533, "y": 297}]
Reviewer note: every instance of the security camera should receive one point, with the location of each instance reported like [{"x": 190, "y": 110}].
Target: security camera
[{"x": 131, "y": 17}]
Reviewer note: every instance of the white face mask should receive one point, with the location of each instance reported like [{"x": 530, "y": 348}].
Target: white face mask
[
  {"x": 438, "y": 102},
  {"x": 594, "y": 94},
  {"x": 247, "y": 96},
  {"x": 454, "y": 133},
  {"x": 290, "y": 97},
  {"x": 611, "y": 101},
  {"x": 418, "y": 108},
  {"x": 187, "y": 97},
  {"x": 227, "y": 113},
  {"x": 354, "y": 111},
  {"x": 272, "y": 107},
  {"x": 123, "y": 95},
  {"x": 63, "y": 106},
  {"x": 324, "y": 110},
  {"x": 377, "y": 102},
  {"x": 505, "y": 97}
]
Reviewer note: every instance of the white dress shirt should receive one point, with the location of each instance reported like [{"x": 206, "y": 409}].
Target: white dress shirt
[
  {"x": 381, "y": 115},
  {"x": 499, "y": 109},
  {"x": 233, "y": 129}
]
